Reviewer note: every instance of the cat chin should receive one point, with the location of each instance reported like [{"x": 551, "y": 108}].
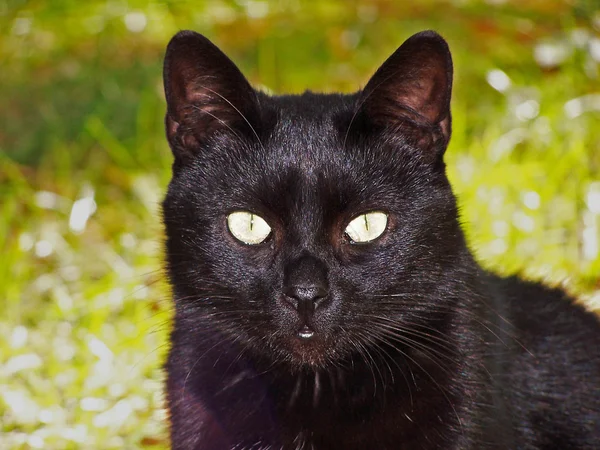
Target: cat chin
[{"x": 314, "y": 353}]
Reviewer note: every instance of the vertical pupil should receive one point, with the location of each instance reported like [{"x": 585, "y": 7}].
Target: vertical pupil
[
  {"x": 251, "y": 221},
  {"x": 366, "y": 223}
]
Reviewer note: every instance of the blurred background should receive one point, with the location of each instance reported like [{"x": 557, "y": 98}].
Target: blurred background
[{"x": 84, "y": 163}]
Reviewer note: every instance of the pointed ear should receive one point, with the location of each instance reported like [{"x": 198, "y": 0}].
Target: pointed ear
[
  {"x": 205, "y": 93},
  {"x": 412, "y": 89}
]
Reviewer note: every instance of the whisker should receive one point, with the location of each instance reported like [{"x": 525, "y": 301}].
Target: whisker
[
  {"x": 390, "y": 338},
  {"x": 399, "y": 337},
  {"x": 375, "y": 343},
  {"x": 434, "y": 381},
  {"x": 194, "y": 365},
  {"x": 364, "y": 354},
  {"x": 441, "y": 340}
]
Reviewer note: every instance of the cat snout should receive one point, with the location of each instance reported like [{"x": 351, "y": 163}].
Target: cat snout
[
  {"x": 305, "y": 283},
  {"x": 305, "y": 298}
]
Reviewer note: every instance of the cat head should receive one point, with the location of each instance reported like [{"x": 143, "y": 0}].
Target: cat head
[{"x": 308, "y": 228}]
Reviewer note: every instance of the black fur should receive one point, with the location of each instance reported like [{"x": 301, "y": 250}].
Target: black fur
[{"x": 414, "y": 345}]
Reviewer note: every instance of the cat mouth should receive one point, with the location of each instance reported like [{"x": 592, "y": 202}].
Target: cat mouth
[
  {"x": 306, "y": 332},
  {"x": 308, "y": 347}
]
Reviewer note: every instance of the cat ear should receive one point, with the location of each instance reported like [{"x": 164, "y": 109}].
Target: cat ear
[
  {"x": 413, "y": 87},
  {"x": 205, "y": 93}
]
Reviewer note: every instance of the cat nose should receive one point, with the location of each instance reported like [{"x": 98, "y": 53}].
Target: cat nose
[
  {"x": 305, "y": 283},
  {"x": 306, "y": 296}
]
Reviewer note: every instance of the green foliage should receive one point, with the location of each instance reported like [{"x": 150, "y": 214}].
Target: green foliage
[{"x": 83, "y": 164}]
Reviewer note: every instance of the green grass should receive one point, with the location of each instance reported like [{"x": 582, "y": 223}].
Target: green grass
[{"x": 85, "y": 310}]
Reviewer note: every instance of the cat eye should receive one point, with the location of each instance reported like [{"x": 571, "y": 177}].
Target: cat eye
[
  {"x": 248, "y": 227},
  {"x": 367, "y": 227}
]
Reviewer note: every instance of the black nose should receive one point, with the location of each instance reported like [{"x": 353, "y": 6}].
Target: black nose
[
  {"x": 305, "y": 283},
  {"x": 306, "y": 296}
]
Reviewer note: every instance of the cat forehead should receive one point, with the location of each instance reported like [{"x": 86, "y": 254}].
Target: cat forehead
[
  {"x": 305, "y": 138},
  {"x": 308, "y": 123},
  {"x": 327, "y": 129}
]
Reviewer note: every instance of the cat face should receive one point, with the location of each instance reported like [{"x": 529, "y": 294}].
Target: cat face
[{"x": 309, "y": 228}]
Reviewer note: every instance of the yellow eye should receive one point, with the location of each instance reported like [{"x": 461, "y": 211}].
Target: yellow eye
[
  {"x": 367, "y": 227},
  {"x": 248, "y": 227}
]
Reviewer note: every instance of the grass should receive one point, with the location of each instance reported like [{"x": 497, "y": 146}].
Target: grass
[{"x": 83, "y": 164}]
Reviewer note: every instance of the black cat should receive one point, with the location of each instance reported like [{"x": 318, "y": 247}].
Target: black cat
[{"x": 324, "y": 294}]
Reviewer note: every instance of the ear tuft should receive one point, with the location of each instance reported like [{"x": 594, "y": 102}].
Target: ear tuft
[
  {"x": 205, "y": 93},
  {"x": 413, "y": 86}
]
